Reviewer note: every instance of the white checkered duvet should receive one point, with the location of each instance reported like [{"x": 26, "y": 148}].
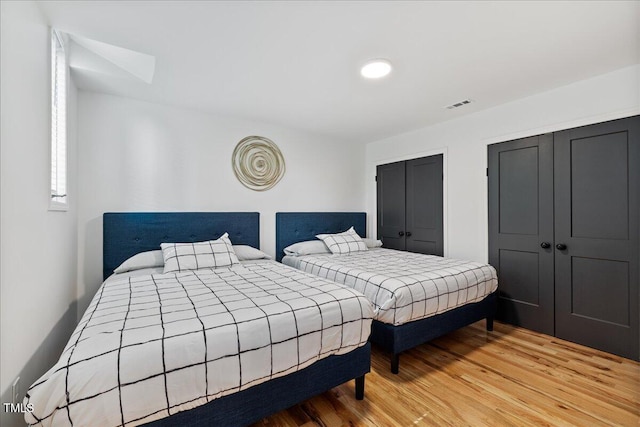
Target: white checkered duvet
[
  {"x": 404, "y": 286},
  {"x": 152, "y": 345}
]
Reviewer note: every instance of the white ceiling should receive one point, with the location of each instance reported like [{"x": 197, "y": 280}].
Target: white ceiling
[{"x": 297, "y": 64}]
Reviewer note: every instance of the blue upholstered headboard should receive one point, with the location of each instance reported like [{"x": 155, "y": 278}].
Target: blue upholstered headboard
[
  {"x": 128, "y": 233},
  {"x": 294, "y": 227}
]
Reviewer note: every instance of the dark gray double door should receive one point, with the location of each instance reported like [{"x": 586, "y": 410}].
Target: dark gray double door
[
  {"x": 409, "y": 205},
  {"x": 564, "y": 233}
]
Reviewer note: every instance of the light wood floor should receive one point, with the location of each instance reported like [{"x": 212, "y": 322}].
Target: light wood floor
[{"x": 508, "y": 377}]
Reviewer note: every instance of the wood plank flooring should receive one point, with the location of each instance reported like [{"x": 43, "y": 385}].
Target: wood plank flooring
[{"x": 508, "y": 377}]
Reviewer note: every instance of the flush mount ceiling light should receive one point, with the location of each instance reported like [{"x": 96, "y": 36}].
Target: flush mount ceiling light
[{"x": 375, "y": 69}]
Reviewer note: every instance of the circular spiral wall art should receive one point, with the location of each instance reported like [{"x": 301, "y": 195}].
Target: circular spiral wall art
[{"x": 258, "y": 163}]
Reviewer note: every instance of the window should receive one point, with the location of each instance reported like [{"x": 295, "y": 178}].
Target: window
[{"x": 58, "y": 123}]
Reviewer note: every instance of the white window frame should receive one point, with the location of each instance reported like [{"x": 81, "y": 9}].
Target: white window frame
[{"x": 58, "y": 185}]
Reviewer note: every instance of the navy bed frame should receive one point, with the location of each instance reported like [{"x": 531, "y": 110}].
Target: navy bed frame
[
  {"x": 293, "y": 227},
  {"x": 128, "y": 233}
]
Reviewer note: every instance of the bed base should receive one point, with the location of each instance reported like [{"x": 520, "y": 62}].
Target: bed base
[
  {"x": 257, "y": 402},
  {"x": 396, "y": 339}
]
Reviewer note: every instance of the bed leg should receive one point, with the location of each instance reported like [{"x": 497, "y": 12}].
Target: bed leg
[
  {"x": 490, "y": 323},
  {"x": 360, "y": 388},
  {"x": 395, "y": 363}
]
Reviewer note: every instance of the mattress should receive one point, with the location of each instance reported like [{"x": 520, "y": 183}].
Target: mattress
[
  {"x": 152, "y": 344},
  {"x": 403, "y": 286}
]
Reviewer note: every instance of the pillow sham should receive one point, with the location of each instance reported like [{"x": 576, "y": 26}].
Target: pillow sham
[
  {"x": 192, "y": 256},
  {"x": 372, "y": 243},
  {"x": 148, "y": 259},
  {"x": 248, "y": 253},
  {"x": 343, "y": 243},
  {"x": 308, "y": 247}
]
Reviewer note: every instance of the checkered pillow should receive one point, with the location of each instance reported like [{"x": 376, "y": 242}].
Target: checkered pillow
[
  {"x": 192, "y": 256},
  {"x": 343, "y": 243}
]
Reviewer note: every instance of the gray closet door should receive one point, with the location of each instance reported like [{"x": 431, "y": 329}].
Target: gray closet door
[
  {"x": 391, "y": 204},
  {"x": 424, "y": 225},
  {"x": 409, "y": 205},
  {"x": 521, "y": 230},
  {"x": 596, "y": 218}
]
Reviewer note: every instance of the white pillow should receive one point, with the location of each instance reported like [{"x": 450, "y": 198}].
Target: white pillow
[
  {"x": 372, "y": 243},
  {"x": 192, "y": 256},
  {"x": 248, "y": 253},
  {"x": 307, "y": 248},
  {"x": 142, "y": 260},
  {"x": 343, "y": 243}
]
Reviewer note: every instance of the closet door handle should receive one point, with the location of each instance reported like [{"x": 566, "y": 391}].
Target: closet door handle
[
  {"x": 545, "y": 245},
  {"x": 561, "y": 246},
  {"x": 400, "y": 233},
  {"x": 408, "y": 234}
]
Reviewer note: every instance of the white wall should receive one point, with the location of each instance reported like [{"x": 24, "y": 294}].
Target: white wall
[
  {"x": 139, "y": 156},
  {"x": 38, "y": 250},
  {"x": 464, "y": 144}
]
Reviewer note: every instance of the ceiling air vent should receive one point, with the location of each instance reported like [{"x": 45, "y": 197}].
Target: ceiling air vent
[{"x": 458, "y": 104}]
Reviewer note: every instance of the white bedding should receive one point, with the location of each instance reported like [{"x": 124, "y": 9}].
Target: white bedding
[
  {"x": 152, "y": 344},
  {"x": 403, "y": 286}
]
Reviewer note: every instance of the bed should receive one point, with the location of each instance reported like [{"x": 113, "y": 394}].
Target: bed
[
  {"x": 205, "y": 346},
  {"x": 415, "y": 321}
]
